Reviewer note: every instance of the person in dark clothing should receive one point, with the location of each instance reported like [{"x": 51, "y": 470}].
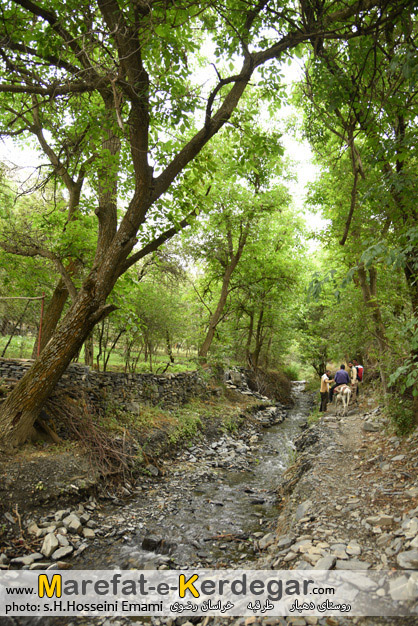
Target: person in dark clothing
[{"x": 340, "y": 378}]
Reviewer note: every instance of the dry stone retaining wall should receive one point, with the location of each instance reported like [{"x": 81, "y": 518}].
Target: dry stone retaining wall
[{"x": 128, "y": 390}]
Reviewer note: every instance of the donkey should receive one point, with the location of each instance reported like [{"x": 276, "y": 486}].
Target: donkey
[{"x": 342, "y": 397}]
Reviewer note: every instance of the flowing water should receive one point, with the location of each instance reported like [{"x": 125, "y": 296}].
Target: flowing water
[{"x": 210, "y": 521}]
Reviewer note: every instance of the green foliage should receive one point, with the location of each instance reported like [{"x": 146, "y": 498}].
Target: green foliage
[
  {"x": 314, "y": 416},
  {"x": 400, "y": 412},
  {"x": 187, "y": 427},
  {"x": 292, "y": 371}
]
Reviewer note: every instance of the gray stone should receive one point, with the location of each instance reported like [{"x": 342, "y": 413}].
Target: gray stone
[
  {"x": 61, "y": 553},
  {"x": 408, "y": 559},
  {"x": 353, "y": 549},
  {"x": 154, "y": 471},
  {"x": 327, "y": 562},
  {"x": 285, "y": 542},
  {"x": 22, "y": 560},
  {"x": 49, "y": 545},
  {"x": 59, "y": 515},
  {"x": 4, "y": 560},
  {"x": 33, "y": 528},
  {"x": 353, "y": 564},
  {"x": 63, "y": 541},
  {"x": 403, "y": 588},
  {"x": 151, "y": 543},
  {"x": 72, "y": 524},
  {"x": 88, "y": 533},
  {"x": 380, "y": 520},
  {"x": 370, "y": 427},
  {"x": 266, "y": 541},
  {"x": 302, "y": 509}
]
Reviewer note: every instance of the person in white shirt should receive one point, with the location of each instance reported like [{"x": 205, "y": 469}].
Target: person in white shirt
[{"x": 325, "y": 381}]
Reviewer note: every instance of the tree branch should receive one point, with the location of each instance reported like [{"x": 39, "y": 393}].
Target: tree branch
[
  {"x": 34, "y": 250},
  {"x": 156, "y": 243}
]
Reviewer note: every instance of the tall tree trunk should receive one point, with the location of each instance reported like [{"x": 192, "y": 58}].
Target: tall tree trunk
[
  {"x": 368, "y": 288},
  {"x": 249, "y": 339},
  {"x": 169, "y": 347},
  {"x": 24, "y": 403},
  {"x": 89, "y": 351},
  {"x": 215, "y": 317},
  {"x": 258, "y": 339}
]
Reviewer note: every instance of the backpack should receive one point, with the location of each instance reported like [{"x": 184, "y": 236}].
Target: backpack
[{"x": 360, "y": 370}]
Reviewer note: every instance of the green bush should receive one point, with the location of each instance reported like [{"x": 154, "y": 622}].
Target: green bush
[
  {"x": 291, "y": 371},
  {"x": 399, "y": 410}
]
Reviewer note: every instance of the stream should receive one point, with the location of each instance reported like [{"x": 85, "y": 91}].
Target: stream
[{"x": 199, "y": 515}]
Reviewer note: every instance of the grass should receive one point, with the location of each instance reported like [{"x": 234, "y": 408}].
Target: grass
[
  {"x": 182, "y": 423},
  {"x": 21, "y": 347}
]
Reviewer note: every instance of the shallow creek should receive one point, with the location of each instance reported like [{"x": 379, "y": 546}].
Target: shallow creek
[{"x": 205, "y": 516}]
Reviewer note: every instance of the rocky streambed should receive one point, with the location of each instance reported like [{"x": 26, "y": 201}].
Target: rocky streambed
[{"x": 211, "y": 506}]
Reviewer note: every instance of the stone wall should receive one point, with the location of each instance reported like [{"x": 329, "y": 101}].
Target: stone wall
[{"x": 125, "y": 390}]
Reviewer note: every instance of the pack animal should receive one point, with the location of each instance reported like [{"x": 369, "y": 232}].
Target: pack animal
[{"x": 342, "y": 399}]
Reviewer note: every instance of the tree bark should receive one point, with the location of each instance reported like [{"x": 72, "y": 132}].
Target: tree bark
[
  {"x": 89, "y": 351},
  {"x": 215, "y": 317},
  {"x": 52, "y": 316},
  {"x": 24, "y": 403},
  {"x": 368, "y": 288},
  {"x": 229, "y": 269}
]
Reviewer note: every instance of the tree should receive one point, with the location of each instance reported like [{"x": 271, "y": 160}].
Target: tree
[{"x": 101, "y": 88}]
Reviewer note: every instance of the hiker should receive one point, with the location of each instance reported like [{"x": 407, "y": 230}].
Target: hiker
[
  {"x": 360, "y": 372},
  {"x": 354, "y": 380},
  {"x": 325, "y": 381},
  {"x": 340, "y": 378}
]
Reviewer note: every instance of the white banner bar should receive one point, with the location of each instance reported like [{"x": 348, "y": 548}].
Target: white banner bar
[{"x": 208, "y": 592}]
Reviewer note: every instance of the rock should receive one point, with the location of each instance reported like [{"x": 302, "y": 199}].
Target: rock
[
  {"x": 49, "y": 545},
  {"x": 380, "y": 520},
  {"x": 353, "y": 549},
  {"x": 59, "y": 515},
  {"x": 33, "y": 528},
  {"x": 303, "y": 509},
  {"x": 327, "y": 562},
  {"x": 154, "y": 471},
  {"x": 59, "y": 565},
  {"x": 339, "y": 550},
  {"x": 410, "y": 527},
  {"x": 285, "y": 542},
  {"x": 370, "y": 427},
  {"x": 72, "y": 523},
  {"x": 302, "y": 545},
  {"x": 266, "y": 541},
  {"x": 151, "y": 543},
  {"x": 62, "y": 553},
  {"x": 236, "y": 377},
  {"x": 89, "y": 533},
  {"x": 353, "y": 564},
  {"x": 23, "y": 560},
  {"x": 63, "y": 541},
  {"x": 4, "y": 560},
  {"x": 403, "y": 588},
  {"x": 408, "y": 559}
]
